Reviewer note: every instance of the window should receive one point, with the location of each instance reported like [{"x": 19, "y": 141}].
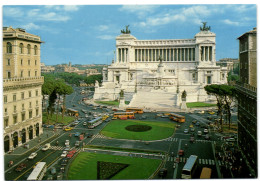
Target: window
[
  {"x": 37, "y": 103},
  {"x": 208, "y": 72},
  {"x": 37, "y": 112},
  {"x": 28, "y": 49},
  {"x": 22, "y": 106},
  {"x": 23, "y": 116},
  {"x": 35, "y": 50},
  {"x": 21, "y": 61},
  {"x": 29, "y": 73},
  {"x": 8, "y": 62},
  {"x": 22, "y": 95},
  {"x": 5, "y": 110},
  {"x": 21, "y": 48},
  {"x": 21, "y": 73},
  {"x": 8, "y": 74},
  {"x": 5, "y": 99},
  {"x": 35, "y": 73},
  {"x": 208, "y": 79},
  {"x": 30, "y": 104},
  {"x": 15, "y": 119},
  {"x": 30, "y": 114},
  {"x": 6, "y": 124},
  {"x": 36, "y": 92},
  {"x": 9, "y": 47},
  {"x": 29, "y": 62},
  {"x": 30, "y": 93},
  {"x": 14, "y": 109},
  {"x": 35, "y": 62},
  {"x": 14, "y": 97}
]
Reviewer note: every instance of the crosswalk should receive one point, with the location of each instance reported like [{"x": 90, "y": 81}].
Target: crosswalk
[
  {"x": 99, "y": 136},
  {"x": 172, "y": 139},
  {"x": 201, "y": 161},
  {"x": 63, "y": 147}
]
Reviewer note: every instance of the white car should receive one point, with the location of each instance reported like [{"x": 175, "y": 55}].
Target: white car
[
  {"x": 201, "y": 112},
  {"x": 199, "y": 133},
  {"x": 85, "y": 124},
  {"x": 32, "y": 156},
  {"x": 67, "y": 142},
  {"x": 64, "y": 154},
  {"x": 186, "y": 131},
  {"x": 206, "y": 131}
]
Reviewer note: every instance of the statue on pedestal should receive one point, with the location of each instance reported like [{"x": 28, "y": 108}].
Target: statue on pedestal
[{"x": 96, "y": 84}]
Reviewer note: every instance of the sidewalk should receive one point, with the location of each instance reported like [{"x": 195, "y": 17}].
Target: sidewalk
[{"x": 46, "y": 135}]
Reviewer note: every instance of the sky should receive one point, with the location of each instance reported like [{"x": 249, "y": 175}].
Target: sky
[{"x": 85, "y": 34}]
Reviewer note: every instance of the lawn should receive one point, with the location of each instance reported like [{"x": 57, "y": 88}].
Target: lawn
[
  {"x": 199, "y": 104},
  {"x": 160, "y": 130},
  {"x": 111, "y": 103},
  {"x": 52, "y": 120},
  {"x": 84, "y": 166}
]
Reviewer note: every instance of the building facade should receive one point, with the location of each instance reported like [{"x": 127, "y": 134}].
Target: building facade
[
  {"x": 230, "y": 63},
  {"x": 247, "y": 99},
  {"x": 22, "y": 83},
  {"x": 163, "y": 66}
]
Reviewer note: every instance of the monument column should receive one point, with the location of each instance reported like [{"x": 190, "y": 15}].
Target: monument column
[
  {"x": 177, "y": 54},
  {"x": 208, "y": 53},
  {"x": 124, "y": 54},
  {"x": 173, "y": 57},
  {"x": 148, "y": 55},
  {"x": 204, "y": 56},
  {"x": 155, "y": 55},
  {"x": 188, "y": 58}
]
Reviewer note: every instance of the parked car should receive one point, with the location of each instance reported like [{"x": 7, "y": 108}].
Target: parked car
[
  {"x": 207, "y": 137},
  {"x": 197, "y": 124},
  {"x": 67, "y": 142},
  {"x": 64, "y": 161},
  {"x": 199, "y": 133},
  {"x": 59, "y": 176},
  {"x": 194, "y": 121},
  {"x": 201, "y": 112},
  {"x": 85, "y": 123},
  {"x": 32, "y": 156},
  {"x": 20, "y": 167},
  {"x": 191, "y": 126},
  {"x": 46, "y": 147},
  {"x": 64, "y": 154},
  {"x": 53, "y": 170},
  {"x": 192, "y": 129},
  {"x": 192, "y": 139},
  {"x": 68, "y": 128},
  {"x": 206, "y": 131},
  {"x": 186, "y": 131}
]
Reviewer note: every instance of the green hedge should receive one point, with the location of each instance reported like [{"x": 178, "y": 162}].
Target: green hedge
[{"x": 199, "y": 104}]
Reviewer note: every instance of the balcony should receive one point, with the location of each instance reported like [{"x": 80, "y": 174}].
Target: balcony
[
  {"x": 22, "y": 82},
  {"x": 246, "y": 88}
]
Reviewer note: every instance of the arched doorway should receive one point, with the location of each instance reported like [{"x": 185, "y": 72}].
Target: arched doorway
[
  {"x": 37, "y": 129},
  {"x": 30, "y": 132},
  {"x": 7, "y": 143},
  {"x": 23, "y": 136},
  {"x": 15, "y": 139}
]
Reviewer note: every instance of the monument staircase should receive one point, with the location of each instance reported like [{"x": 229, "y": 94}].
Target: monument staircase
[{"x": 154, "y": 100}]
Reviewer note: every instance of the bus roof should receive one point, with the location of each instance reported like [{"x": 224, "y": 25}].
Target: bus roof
[
  {"x": 74, "y": 110},
  {"x": 94, "y": 120},
  {"x": 205, "y": 173},
  {"x": 190, "y": 162},
  {"x": 174, "y": 114},
  {"x": 36, "y": 171},
  {"x": 123, "y": 112}
]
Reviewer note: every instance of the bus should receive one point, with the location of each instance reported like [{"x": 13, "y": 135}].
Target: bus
[
  {"x": 177, "y": 117},
  {"x": 135, "y": 110},
  {"x": 72, "y": 112},
  {"x": 95, "y": 122},
  {"x": 205, "y": 173},
  {"x": 38, "y": 172},
  {"x": 124, "y": 115},
  {"x": 190, "y": 167}
]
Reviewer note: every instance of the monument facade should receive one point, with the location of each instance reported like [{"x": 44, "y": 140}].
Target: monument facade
[{"x": 162, "y": 68}]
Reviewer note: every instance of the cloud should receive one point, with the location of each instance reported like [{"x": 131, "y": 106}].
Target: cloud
[
  {"x": 12, "y": 12},
  {"x": 102, "y": 27},
  {"x": 63, "y": 8},
  {"x": 71, "y": 8},
  {"x": 31, "y": 26},
  {"x": 140, "y": 10},
  {"x": 36, "y": 14},
  {"x": 106, "y": 37},
  {"x": 229, "y": 22}
]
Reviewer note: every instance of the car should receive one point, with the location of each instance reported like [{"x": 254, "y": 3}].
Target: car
[
  {"x": 201, "y": 112},
  {"x": 32, "y": 156},
  {"x": 199, "y": 133},
  {"x": 114, "y": 118},
  {"x": 68, "y": 129},
  {"x": 191, "y": 126},
  {"x": 81, "y": 137},
  {"x": 69, "y": 155},
  {"x": 230, "y": 139},
  {"x": 206, "y": 130},
  {"x": 53, "y": 170},
  {"x": 181, "y": 152},
  {"x": 67, "y": 142},
  {"x": 77, "y": 134},
  {"x": 46, "y": 147},
  {"x": 192, "y": 129},
  {"x": 178, "y": 125},
  {"x": 76, "y": 122},
  {"x": 85, "y": 123},
  {"x": 207, "y": 137},
  {"x": 211, "y": 112},
  {"x": 59, "y": 176},
  {"x": 194, "y": 121},
  {"x": 64, "y": 154},
  {"x": 49, "y": 177},
  {"x": 67, "y": 148},
  {"x": 77, "y": 143},
  {"x": 192, "y": 139},
  {"x": 197, "y": 124},
  {"x": 186, "y": 131},
  {"x": 64, "y": 162},
  {"x": 20, "y": 167},
  {"x": 163, "y": 172}
]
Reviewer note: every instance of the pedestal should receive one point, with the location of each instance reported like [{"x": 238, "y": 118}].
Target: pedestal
[
  {"x": 183, "y": 105},
  {"x": 122, "y": 102}
]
